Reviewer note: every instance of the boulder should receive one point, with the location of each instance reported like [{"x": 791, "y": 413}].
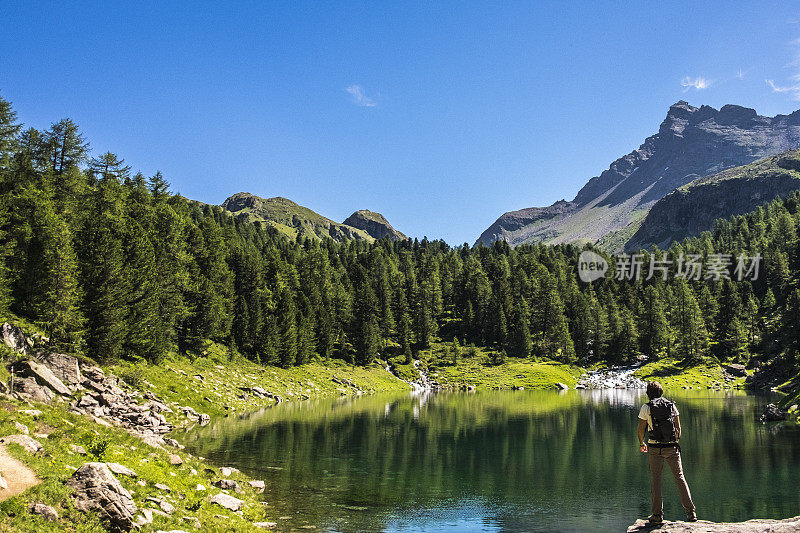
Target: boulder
[
  {"x": 65, "y": 367},
  {"x": 227, "y": 501},
  {"x": 3, "y": 482},
  {"x": 228, "y": 484},
  {"x": 22, "y": 428},
  {"x": 13, "y": 337},
  {"x": 265, "y": 525},
  {"x": 27, "y": 387},
  {"x": 30, "y": 445},
  {"x": 166, "y": 507},
  {"x": 120, "y": 470},
  {"x": 42, "y": 374},
  {"x": 93, "y": 373},
  {"x": 175, "y": 460},
  {"x": 258, "y": 485},
  {"x": 562, "y": 386},
  {"x": 736, "y": 370},
  {"x": 76, "y": 448},
  {"x": 96, "y": 489},
  {"x": 772, "y": 413},
  {"x": 45, "y": 511}
]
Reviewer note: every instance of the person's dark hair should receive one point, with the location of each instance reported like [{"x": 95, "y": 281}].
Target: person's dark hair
[{"x": 654, "y": 389}]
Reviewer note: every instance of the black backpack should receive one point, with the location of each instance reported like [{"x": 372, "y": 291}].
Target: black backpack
[{"x": 663, "y": 421}]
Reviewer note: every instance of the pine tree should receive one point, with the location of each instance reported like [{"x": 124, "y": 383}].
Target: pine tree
[
  {"x": 653, "y": 323},
  {"x": 287, "y": 320},
  {"x": 57, "y": 305},
  {"x": 141, "y": 295},
  {"x": 64, "y": 146},
  {"x": 9, "y": 129}
]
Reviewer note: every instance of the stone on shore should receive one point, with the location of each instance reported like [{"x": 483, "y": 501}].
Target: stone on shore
[
  {"x": 772, "y": 413},
  {"x": 227, "y": 501},
  {"x": 562, "y": 386},
  {"x": 704, "y": 526},
  {"x": 98, "y": 490}
]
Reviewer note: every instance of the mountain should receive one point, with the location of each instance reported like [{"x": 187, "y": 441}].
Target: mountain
[
  {"x": 374, "y": 224},
  {"x": 290, "y": 218},
  {"x": 691, "y": 143},
  {"x": 691, "y": 209}
]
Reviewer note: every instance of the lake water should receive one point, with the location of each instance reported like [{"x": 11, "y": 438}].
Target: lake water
[{"x": 502, "y": 461}]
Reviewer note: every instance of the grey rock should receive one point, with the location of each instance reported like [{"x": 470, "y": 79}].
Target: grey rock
[
  {"x": 80, "y": 450},
  {"x": 204, "y": 419},
  {"x": 736, "y": 370},
  {"x": 65, "y": 367},
  {"x": 562, "y": 386},
  {"x": 43, "y": 375},
  {"x": 96, "y": 489},
  {"x": 166, "y": 507},
  {"x": 45, "y": 511},
  {"x": 227, "y": 501},
  {"x": 3, "y": 482},
  {"x": 22, "y": 428},
  {"x": 31, "y": 445},
  {"x": 28, "y": 387},
  {"x": 258, "y": 485},
  {"x": 265, "y": 525},
  {"x": 772, "y": 413},
  {"x": 175, "y": 459},
  {"x": 120, "y": 470},
  {"x": 704, "y": 526},
  {"x": 228, "y": 484},
  {"x": 161, "y": 486},
  {"x": 13, "y": 337}
]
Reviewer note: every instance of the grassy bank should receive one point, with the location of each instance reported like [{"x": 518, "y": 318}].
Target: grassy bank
[
  {"x": 480, "y": 368},
  {"x": 673, "y": 373}
]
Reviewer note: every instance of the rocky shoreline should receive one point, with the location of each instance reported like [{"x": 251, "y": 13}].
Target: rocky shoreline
[{"x": 704, "y": 526}]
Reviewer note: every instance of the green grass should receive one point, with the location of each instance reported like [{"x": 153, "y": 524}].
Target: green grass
[
  {"x": 475, "y": 368},
  {"x": 56, "y": 463},
  {"x": 211, "y": 382},
  {"x": 671, "y": 373}
]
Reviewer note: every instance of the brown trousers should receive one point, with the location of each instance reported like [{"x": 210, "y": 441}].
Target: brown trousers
[{"x": 673, "y": 458}]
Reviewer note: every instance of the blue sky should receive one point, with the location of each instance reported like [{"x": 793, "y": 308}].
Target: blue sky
[{"x": 440, "y": 115}]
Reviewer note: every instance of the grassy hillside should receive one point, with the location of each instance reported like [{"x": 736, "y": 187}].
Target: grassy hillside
[{"x": 290, "y": 218}]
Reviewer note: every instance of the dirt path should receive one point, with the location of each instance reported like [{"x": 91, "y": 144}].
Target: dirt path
[{"x": 18, "y": 476}]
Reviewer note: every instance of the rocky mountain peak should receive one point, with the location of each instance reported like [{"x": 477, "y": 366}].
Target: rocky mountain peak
[
  {"x": 375, "y": 224},
  {"x": 691, "y": 143}
]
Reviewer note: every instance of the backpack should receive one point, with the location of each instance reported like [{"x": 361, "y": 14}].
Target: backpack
[{"x": 663, "y": 421}]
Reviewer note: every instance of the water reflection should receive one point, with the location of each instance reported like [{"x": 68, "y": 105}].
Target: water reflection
[{"x": 501, "y": 461}]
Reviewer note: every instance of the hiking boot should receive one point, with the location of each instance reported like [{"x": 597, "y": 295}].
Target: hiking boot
[
  {"x": 691, "y": 517},
  {"x": 655, "y": 520}
]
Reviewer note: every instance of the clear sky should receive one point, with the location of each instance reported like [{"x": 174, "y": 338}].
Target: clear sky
[{"x": 440, "y": 115}]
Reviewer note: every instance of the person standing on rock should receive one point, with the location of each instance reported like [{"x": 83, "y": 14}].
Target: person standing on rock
[{"x": 660, "y": 418}]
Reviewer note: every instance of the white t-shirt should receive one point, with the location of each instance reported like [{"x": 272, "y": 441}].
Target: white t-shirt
[{"x": 644, "y": 414}]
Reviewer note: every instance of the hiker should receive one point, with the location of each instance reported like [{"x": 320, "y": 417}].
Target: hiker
[{"x": 660, "y": 418}]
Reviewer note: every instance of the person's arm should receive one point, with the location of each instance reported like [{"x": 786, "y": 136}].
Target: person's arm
[
  {"x": 677, "y": 427},
  {"x": 642, "y": 429}
]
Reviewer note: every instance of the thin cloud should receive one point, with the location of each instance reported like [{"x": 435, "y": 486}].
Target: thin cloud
[
  {"x": 698, "y": 83},
  {"x": 792, "y": 87},
  {"x": 740, "y": 74},
  {"x": 792, "y": 90},
  {"x": 359, "y": 98}
]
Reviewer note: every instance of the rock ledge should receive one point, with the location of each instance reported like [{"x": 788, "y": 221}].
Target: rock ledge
[{"x": 704, "y": 526}]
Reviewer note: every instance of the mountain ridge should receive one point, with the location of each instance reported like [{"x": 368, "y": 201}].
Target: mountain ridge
[
  {"x": 690, "y": 143},
  {"x": 293, "y": 219}
]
